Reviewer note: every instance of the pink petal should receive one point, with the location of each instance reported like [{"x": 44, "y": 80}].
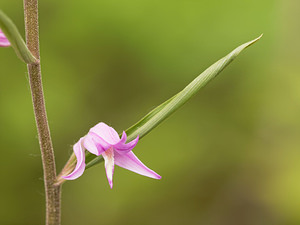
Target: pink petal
[
  {"x": 3, "y": 40},
  {"x": 121, "y": 147},
  {"x": 130, "y": 162},
  {"x": 123, "y": 138},
  {"x": 101, "y": 145},
  {"x": 80, "y": 165},
  {"x": 108, "y": 156},
  {"x": 107, "y": 133},
  {"x": 91, "y": 144}
]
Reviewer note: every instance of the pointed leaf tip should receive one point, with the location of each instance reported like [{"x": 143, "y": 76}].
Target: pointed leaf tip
[
  {"x": 255, "y": 40},
  {"x": 163, "y": 111}
]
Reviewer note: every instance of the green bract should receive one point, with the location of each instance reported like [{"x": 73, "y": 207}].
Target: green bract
[
  {"x": 163, "y": 111},
  {"x": 12, "y": 34}
]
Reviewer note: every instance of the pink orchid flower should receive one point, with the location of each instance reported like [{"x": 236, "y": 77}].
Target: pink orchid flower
[
  {"x": 104, "y": 140},
  {"x": 3, "y": 40}
]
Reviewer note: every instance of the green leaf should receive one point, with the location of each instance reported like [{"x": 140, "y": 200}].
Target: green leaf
[
  {"x": 163, "y": 111},
  {"x": 12, "y": 34}
]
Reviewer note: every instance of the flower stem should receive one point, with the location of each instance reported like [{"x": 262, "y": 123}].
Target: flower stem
[{"x": 34, "y": 70}]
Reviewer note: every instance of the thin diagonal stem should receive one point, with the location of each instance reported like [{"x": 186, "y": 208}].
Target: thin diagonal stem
[{"x": 34, "y": 70}]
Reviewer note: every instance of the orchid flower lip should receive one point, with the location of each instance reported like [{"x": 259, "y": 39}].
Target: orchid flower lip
[{"x": 104, "y": 140}]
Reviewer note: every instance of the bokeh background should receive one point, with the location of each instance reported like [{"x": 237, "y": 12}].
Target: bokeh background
[{"x": 228, "y": 157}]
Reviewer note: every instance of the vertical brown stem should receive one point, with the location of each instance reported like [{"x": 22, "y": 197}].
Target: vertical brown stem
[{"x": 34, "y": 70}]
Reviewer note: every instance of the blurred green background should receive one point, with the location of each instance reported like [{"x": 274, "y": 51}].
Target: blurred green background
[{"x": 228, "y": 157}]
